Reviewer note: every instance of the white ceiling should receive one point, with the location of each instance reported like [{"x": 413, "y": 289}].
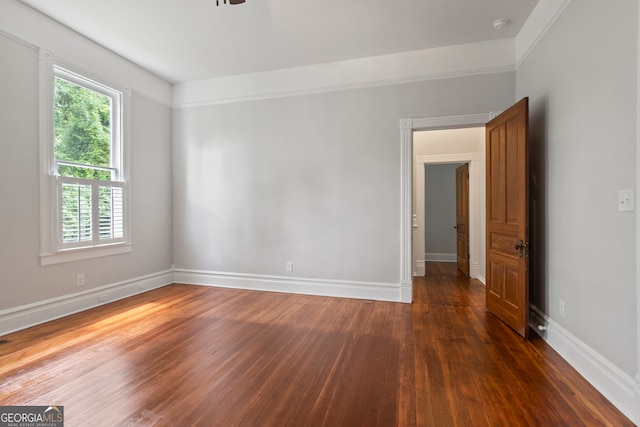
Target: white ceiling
[{"x": 186, "y": 40}]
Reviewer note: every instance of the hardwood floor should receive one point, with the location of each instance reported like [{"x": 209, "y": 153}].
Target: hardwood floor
[
  {"x": 473, "y": 370},
  {"x": 198, "y": 356}
]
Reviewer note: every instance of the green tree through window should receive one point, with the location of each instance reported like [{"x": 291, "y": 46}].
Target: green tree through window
[{"x": 82, "y": 130}]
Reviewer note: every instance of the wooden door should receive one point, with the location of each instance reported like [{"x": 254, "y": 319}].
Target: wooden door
[
  {"x": 462, "y": 218},
  {"x": 507, "y": 294}
]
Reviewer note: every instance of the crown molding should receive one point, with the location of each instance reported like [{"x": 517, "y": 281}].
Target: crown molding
[
  {"x": 439, "y": 63},
  {"x": 495, "y": 56},
  {"x": 35, "y": 30},
  {"x": 541, "y": 19}
]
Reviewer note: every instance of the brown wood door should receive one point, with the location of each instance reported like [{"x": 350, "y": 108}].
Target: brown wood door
[
  {"x": 462, "y": 218},
  {"x": 507, "y": 293}
]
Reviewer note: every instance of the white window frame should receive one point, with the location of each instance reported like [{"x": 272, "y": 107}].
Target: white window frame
[{"x": 52, "y": 249}]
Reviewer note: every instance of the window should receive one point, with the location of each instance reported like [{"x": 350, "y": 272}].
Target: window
[
  {"x": 84, "y": 189},
  {"x": 90, "y": 191}
]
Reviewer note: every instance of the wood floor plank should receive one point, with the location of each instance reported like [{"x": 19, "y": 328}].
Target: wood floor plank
[
  {"x": 188, "y": 355},
  {"x": 219, "y": 357},
  {"x": 486, "y": 375}
]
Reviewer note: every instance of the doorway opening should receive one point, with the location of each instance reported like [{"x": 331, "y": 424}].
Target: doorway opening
[
  {"x": 409, "y": 126},
  {"x": 441, "y": 204},
  {"x": 437, "y": 154}
]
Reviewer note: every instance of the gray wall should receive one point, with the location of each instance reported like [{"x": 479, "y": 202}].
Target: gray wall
[
  {"x": 440, "y": 209},
  {"x": 581, "y": 80},
  {"x": 310, "y": 179},
  {"x": 22, "y": 280}
]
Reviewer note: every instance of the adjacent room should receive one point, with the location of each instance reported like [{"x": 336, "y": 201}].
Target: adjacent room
[{"x": 231, "y": 213}]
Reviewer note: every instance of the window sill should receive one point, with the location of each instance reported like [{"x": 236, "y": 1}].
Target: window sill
[{"x": 79, "y": 254}]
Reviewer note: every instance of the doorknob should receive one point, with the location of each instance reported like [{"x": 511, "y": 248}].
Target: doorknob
[{"x": 518, "y": 247}]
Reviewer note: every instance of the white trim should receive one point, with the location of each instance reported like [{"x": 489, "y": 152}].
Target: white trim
[
  {"x": 475, "y": 201},
  {"x": 26, "y": 316},
  {"x": 50, "y": 66},
  {"x": 538, "y": 23},
  {"x": 637, "y": 376},
  {"x": 419, "y": 226},
  {"x": 45, "y": 136},
  {"x": 441, "y": 159},
  {"x": 475, "y": 205},
  {"x": 452, "y": 122},
  {"x": 295, "y": 285},
  {"x": 608, "y": 379},
  {"x": 440, "y": 257},
  {"x": 475, "y": 271},
  {"x": 419, "y": 244},
  {"x": 407, "y": 127},
  {"x": 17, "y": 39},
  {"x": 406, "y": 222},
  {"x": 84, "y": 253},
  {"x": 494, "y": 56},
  {"x": 32, "y": 28}
]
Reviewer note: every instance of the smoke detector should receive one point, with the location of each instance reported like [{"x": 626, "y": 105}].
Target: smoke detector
[{"x": 500, "y": 23}]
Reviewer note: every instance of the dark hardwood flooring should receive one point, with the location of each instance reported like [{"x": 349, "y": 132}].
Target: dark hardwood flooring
[
  {"x": 472, "y": 370},
  {"x": 197, "y": 356}
]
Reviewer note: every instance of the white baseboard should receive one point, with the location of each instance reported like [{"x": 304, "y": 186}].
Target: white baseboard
[
  {"x": 440, "y": 257},
  {"x": 295, "y": 285},
  {"x": 18, "y": 318},
  {"x": 406, "y": 292},
  {"x": 614, "y": 384},
  {"x": 476, "y": 272},
  {"x": 419, "y": 269}
]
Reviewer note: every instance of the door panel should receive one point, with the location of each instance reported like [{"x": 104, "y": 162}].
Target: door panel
[
  {"x": 462, "y": 218},
  {"x": 507, "y": 293}
]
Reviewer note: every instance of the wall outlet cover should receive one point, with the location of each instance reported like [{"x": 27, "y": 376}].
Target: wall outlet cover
[{"x": 625, "y": 201}]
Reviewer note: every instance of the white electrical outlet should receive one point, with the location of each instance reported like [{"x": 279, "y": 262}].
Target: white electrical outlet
[
  {"x": 289, "y": 266},
  {"x": 625, "y": 201},
  {"x": 562, "y": 308},
  {"x": 80, "y": 280}
]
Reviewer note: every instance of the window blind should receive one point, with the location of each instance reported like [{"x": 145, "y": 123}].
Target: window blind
[{"x": 91, "y": 212}]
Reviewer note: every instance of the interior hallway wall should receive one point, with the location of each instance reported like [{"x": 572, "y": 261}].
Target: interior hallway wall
[{"x": 440, "y": 212}]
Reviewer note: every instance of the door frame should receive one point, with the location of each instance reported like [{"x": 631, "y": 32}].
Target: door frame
[
  {"x": 475, "y": 208},
  {"x": 407, "y": 127}
]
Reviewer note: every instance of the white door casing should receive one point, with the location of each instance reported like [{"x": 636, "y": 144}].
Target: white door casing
[
  {"x": 407, "y": 127},
  {"x": 476, "y": 206}
]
